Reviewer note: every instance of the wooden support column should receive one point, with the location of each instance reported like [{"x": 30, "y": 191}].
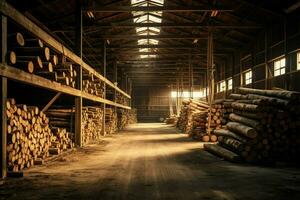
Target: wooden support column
[
  {"x": 78, "y": 100},
  {"x": 104, "y": 74},
  {"x": 3, "y": 86},
  {"x": 210, "y": 76},
  {"x": 115, "y": 79}
]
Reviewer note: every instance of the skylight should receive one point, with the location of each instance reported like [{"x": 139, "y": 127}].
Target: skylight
[{"x": 147, "y": 17}]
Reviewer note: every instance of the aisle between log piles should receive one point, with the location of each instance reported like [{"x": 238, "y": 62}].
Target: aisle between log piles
[{"x": 150, "y": 161}]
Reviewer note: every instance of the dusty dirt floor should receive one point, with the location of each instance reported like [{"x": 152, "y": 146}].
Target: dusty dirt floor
[{"x": 151, "y": 161}]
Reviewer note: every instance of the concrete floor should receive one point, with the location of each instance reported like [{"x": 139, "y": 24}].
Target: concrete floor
[{"x": 151, "y": 161}]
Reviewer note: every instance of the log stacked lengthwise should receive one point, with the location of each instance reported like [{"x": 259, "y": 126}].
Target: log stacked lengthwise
[
  {"x": 110, "y": 121},
  {"x": 263, "y": 129},
  {"x": 91, "y": 124},
  {"x": 121, "y": 99},
  {"x": 30, "y": 138},
  {"x": 32, "y": 56}
]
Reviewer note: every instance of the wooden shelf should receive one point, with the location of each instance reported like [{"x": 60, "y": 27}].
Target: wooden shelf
[
  {"x": 23, "y": 21},
  {"x": 32, "y": 79}
]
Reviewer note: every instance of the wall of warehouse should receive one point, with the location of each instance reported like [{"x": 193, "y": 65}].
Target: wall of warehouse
[{"x": 281, "y": 40}]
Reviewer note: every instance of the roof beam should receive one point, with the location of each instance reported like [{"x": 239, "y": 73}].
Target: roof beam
[
  {"x": 137, "y": 37},
  {"x": 154, "y": 9},
  {"x": 170, "y": 25}
]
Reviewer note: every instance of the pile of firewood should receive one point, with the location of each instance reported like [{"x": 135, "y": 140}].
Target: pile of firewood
[
  {"x": 110, "y": 121},
  {"x": 121, "y": 99},
  {"x": 30, "y": 136},
  {"x": 263, "y": 128},
  {"x": 91, "y": 124},
  {"x": 92, "y": 86},
  {"x": 61, "y": 140},
  {"x": 132, "y": 116},
  {"x": 122, "y": 118},
  {"x": 32, "y": 56}
]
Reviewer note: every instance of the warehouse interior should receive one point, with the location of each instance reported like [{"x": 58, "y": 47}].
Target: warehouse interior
[{"x": 150, "y": 99}]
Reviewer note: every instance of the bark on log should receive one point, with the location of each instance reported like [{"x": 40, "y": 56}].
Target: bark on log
[
  {"x": 222, "y": 152},
  {"x": 227, "y": 133},
  {"x": 242, "y": 129},
  {"x": 250, "y": 122},
  {"x": 273, "y": 93}
]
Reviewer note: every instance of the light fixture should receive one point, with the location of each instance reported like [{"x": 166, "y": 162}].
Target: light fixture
[{"x": 195, "y": 41}]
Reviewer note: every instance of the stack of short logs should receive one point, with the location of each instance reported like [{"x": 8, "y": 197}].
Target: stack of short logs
[
  {"x": 132, "y": 116},
  {"x": 110, "y": 121},
  {"x": 91, "y": 124},
  {"x": 263, "y": 129},
  {"x": 93, "y": 86},
  {"x": 30, "y": 138},
  {"x": 32, "y": 56},
  {"x": 123, "y": 116},
  {"x": 121, "y": 99}
]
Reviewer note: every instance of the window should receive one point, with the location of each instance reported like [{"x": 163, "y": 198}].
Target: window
[
  {"x": 186, "y": 94},
  {"x": 279, "y": 67},
  {"x": 229, "y": 84},
  {"x": 222, "y": 86},
  {"x": 247, "y": 77},
  {"x": 298, "y": 61}
]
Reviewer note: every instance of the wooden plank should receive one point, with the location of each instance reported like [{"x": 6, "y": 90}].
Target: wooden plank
[
  {"x": 3, "y": 86},
  {"x": 51, "y": 102},
  {"x": 18, "y": 17}
]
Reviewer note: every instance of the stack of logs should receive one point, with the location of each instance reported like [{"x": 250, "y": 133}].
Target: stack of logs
[
  {"x": 263, "y": 129},
  {"x": 32, "y": 56},
  {"x": 62, "y": 117},
  {"x": 61, "y": 140},
  {"x": 29, "y": 136},
  {"x": 92, "y": 86},
  {"x": 121, "y": 99},
  {"x": 110, "y": 121},
  {"x": 123, "y": 116},
  {"x": 91, "y": 124},
  {"x": 132, "y": 116}
]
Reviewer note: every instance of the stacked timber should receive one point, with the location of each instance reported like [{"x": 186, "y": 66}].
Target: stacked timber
[
  {"x": 171, "y": 120},
  {"x": 264, "y": 126},
  {"x": 132, "y": 117},
  {"x": 62, "y": 117},
  {"x": 123, "y": 116},
  {"x": 91, "y": 124},
  {"x": 93, "y": 86},
  {"x": 192, "y": 118},
  {"x": 61, "y": 140},
  {"x": 32, "y": 56},
  {"x": 28, "y": 135},
  {"x": 121, "y": 99},
  {"x": 110, "y": 121}
]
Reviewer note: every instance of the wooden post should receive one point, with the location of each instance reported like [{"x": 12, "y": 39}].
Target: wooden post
[
  {"x": 115, "y": 79},
  {"x": 210, "y": 77},
  {"x": 104, "y": 74},
  {"x": 3, "y": 85},
  {"x": 78, "y": 100}
]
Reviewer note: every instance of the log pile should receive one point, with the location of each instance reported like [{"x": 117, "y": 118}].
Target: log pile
[
  {"x": 61, "y": 140},
  {"x": 92, "y": 86},
  {"x": 110, "y": 121},
  {"x": 121, "y": 99},
  {"x": 123, "y": 116},
  {"x": 32, "y": 56},
  {"x": 132, "y": 118},
  {"x": 264, "y": 126},
  {"x": 62, "y": 117},
  {"x": 91, "y": 124},
  {"x": 30, "y": 136},
  {"x": 171, "y": 120}
]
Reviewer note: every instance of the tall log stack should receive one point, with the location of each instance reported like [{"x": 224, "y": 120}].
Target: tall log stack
[
  {"x": 110, "y": 121},
  {"x": 29, "y": 136},
  {"x": 123, "y": 117},
  {"x": 91, "y": 124},
  {"x": 263, "y": 126},
  {"x": 32, "y": 56},
  {"x": 132, "y": 118}
]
